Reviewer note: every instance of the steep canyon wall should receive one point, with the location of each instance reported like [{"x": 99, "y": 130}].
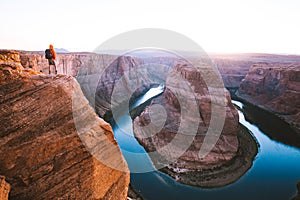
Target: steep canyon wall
[{"x": 42, "y": 152}]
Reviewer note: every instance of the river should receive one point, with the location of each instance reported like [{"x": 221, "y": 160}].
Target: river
[{"x": 273, "y": 175}]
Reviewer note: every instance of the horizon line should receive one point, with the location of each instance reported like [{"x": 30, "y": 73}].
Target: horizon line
[{"x": 188, "y": 51}]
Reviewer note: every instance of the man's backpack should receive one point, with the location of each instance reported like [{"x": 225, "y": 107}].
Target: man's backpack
[{"x": 48, "y": 54}]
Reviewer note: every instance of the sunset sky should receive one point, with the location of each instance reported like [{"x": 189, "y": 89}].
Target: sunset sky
[{"x": 268, "y": 26}]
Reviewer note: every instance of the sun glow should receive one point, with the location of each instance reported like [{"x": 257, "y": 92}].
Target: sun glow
[{"x": 216, "y": 25}]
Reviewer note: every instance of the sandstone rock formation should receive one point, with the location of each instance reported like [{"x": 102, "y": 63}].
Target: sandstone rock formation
[
  {"x": 47, "y": 137},
  {"x": 4, "y": 188},
  {"x": 226, "y": 146},
  {"x": 66, "y": 63},
  {"x": 10, "y": 61},
  {"x": 234, "y": 67},
  {"x": 124, "y": 80},
  {"x": 109, "y": 79},
  {"x": 275, "y": 88}
]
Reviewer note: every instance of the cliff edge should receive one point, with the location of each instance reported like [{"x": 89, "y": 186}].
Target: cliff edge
[
  {"x": 43, "y": 156},
  {"x": 274, "y": 88}
]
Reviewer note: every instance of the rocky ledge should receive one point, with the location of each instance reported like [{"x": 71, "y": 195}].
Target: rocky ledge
[
  {"x": 42, "y": 154},
  {"x": 274, "y": 88}
]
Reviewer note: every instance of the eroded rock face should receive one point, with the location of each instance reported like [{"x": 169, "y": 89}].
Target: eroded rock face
[
  {"x": 125, "y": 79},
  {"x": 227, "y": 144},
  {"x": 234, "y": 67},
  {"x": 275, "y": 88},
  {"x": 9, "y": 61},
  {"x": 66, "y": 63},
  {"x": 109, "y": 79},
  {"x": 43, "y": 156},
  {"x": 4, "y": 188}
]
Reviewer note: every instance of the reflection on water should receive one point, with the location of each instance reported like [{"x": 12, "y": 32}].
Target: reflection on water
[
  {"x": 150, "y": 94},
  {"x": 274, "y": 174},
  {"x": 134, "y": 153},
  {"x": 272, "y": 126}
]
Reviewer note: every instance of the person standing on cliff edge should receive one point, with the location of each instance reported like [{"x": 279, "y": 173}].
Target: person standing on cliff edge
[{"x": 50, "y": 54}]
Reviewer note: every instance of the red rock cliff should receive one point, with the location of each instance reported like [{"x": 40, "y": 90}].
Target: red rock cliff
[
  {"x": 275, "y": 88},
  {"x": 66, "y": 63},
  {"x": 227, "y": 144},
  {"x": 42, "y": 154}
]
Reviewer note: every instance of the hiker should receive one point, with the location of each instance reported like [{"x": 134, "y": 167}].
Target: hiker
[{"x": 50, "y": 54}]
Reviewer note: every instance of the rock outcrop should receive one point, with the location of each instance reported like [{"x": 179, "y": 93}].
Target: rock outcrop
[
  {"x": 4, "y": 188},
  {"x": 274, "y": 88},
  {"x": 227, "y": 144},
  {"x": 52, "y": 144}
]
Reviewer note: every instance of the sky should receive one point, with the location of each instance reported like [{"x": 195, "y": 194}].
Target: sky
[{"x": 223, "y": 26}]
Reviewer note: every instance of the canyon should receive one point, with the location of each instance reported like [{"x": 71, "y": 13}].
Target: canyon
[
  {"x": 123, "y": 81},
  {"x": 223, "y": 164},
  {"x": 43, "y": 153},
  {"x": 62, "y": 163},
  {"x": 268, "y": 81}
]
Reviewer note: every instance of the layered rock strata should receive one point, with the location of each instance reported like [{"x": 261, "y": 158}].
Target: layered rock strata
[
  {"x": 159, "y": 132},
  {"x": 234, "y": 67},
  {"x": 54, "y": 145},
  {"x": 125, "y": 79},
  {"x": 274, "y": 88},
  {"x": 66, "y": 63},
  {"x": 227, "y": 144}
]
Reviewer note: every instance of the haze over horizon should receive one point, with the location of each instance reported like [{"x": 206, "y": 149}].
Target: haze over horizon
[{"x": 231, "y": 26}]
